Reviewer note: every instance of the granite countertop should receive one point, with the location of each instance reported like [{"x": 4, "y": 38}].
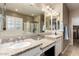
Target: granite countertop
[
  {"x": 53, "y": 36},
  {"x": 9, "y": 52},
  {"x": 42, "y": 43},
  {"x": 49, "y": 39},
  {"x": 47, "y": 42}
]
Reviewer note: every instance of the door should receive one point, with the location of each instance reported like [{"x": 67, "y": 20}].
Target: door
[{"x": 75, "y": 32}]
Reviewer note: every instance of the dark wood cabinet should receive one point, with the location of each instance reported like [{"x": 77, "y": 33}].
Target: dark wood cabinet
[{"x": 75, "y": 32}]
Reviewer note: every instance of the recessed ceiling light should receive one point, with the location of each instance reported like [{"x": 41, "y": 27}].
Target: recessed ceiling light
[
  {"x": 48, "y": 7},
  {"x": 16, "y": 9},
  {"x": 32, "y": 14}
]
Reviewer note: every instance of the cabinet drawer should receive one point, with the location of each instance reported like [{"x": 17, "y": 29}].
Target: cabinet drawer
[
  {"x": 31, "y": 52},
  {"x": 58, "y": 46}
]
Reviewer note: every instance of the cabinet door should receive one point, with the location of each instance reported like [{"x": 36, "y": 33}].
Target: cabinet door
[
  {"x": 33, "y": 52},
  {"x": 61, "y": 44},
  {"x": 58, "y": 49}
]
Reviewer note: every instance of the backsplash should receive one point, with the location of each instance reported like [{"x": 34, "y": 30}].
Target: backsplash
[
  {"x": 15, "y": 36},
  {"x": 7, "y": 36}
]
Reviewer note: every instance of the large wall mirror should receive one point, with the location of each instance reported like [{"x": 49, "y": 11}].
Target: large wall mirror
[
  {"x": 27, "y": 18},
  {"x": 52, "y": 22},
  {"x": 21, "y": 17},
  {"x": 55, "y": 23}
]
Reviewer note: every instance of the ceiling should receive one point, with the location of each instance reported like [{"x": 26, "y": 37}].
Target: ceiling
[
  {"x": 29, "y": 8},
  {"x": 72, "y": 6},
  {"x": 24, "y": 8}
]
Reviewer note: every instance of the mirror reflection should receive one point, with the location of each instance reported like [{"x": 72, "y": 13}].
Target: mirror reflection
[
  {"x": 30, "y": 18},
  {"x": 20, "y": 17},
  {"x": 48, "y": 22}
]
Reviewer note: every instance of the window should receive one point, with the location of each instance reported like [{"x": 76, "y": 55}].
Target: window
[
  {"x": 18, "y": 23},
  {"x": 10, "y": 23},
  {"x": 14, "y": 23}
]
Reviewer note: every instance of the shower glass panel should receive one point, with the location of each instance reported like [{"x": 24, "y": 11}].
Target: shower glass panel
[{"x": 34, "y": 27}]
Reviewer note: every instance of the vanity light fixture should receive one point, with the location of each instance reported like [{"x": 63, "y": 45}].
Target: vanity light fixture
[
  {"x": 16, "y": 9},
  {"x": 43, "y": 8},
  {"x": 55, "y": 13},
  {"x": 32, "y": 14},
  {"x": 47, "y": 7}
]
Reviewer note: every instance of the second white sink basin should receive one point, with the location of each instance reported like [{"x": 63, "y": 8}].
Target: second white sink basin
[
  {"x": 20, "y": 45},
  {"x": 53, "y": 36}
]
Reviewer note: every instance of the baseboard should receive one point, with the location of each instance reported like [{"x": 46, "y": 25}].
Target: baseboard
[{"x": 65, "y": 48}]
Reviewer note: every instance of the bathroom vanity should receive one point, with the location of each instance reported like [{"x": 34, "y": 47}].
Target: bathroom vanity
[
  {"x": 51, "y": 43},
  {"x": 16, "y": 24}
]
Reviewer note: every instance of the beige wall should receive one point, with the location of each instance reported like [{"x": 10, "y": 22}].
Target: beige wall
[
  {"x": 74, "y": 20},
  {"x": 65, "y": 15},
  {"x": 66, "y": 23}
]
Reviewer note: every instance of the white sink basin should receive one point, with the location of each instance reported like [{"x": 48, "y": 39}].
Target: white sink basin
[
  {"x": 53, "y": 36},
  {"x": 20, "y": 45},
  {"x": 6, "y": 45}
]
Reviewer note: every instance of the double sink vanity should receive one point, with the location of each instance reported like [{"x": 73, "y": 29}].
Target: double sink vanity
[
  {"x": 30, "y": 33},
  {"x": 49, "y": 45}
]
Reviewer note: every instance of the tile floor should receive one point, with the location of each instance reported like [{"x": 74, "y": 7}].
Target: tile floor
[{"x": 73, "y": 50}]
